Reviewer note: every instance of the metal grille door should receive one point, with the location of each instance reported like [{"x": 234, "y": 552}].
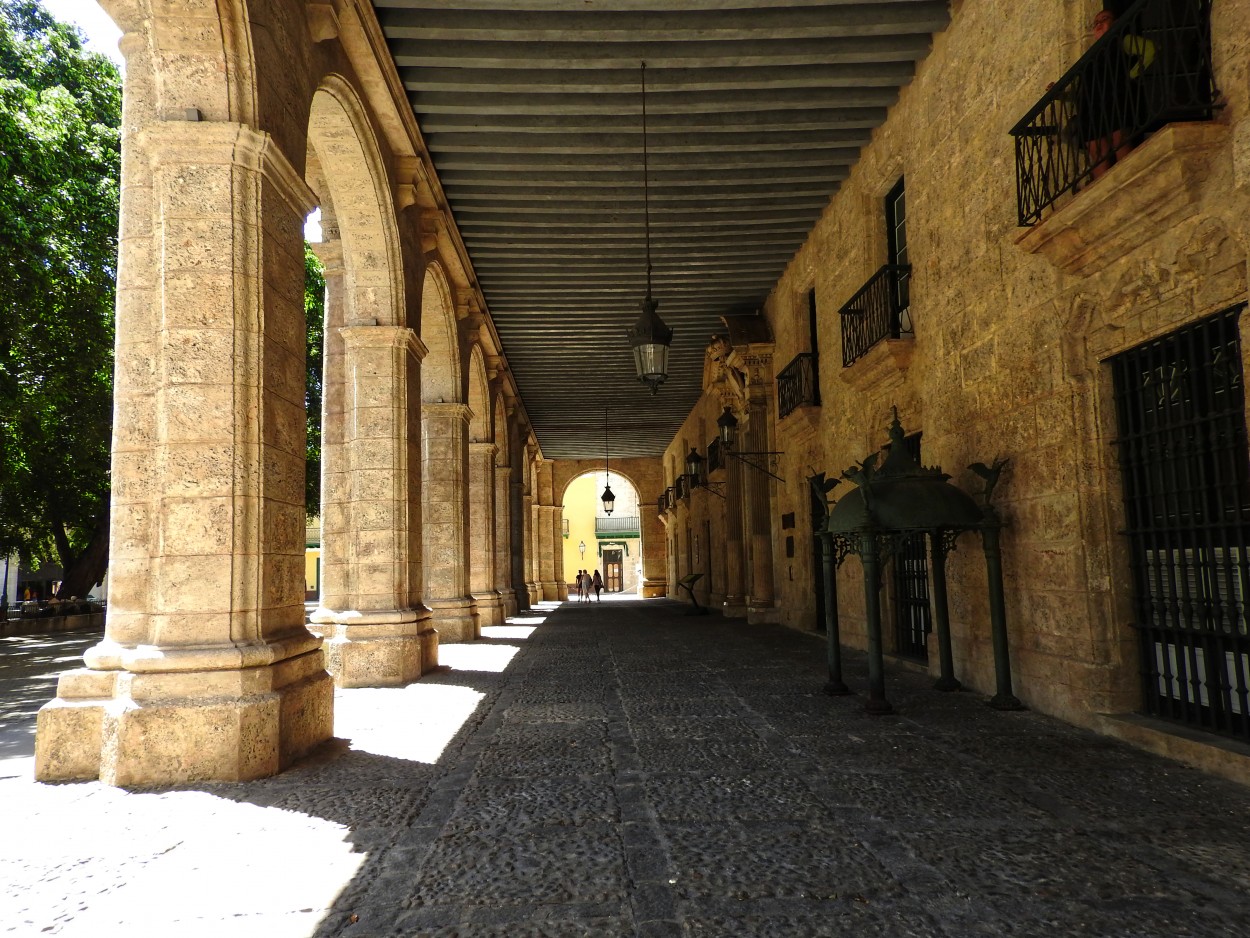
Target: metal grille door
[
  {"x": 1180, "y": 410},
  {"x": 912, "y": 619}
]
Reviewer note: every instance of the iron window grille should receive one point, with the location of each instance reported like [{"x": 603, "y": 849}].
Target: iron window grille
[
  {"x": 874, "y": 313},
  {"x": 913, "y": 617},
  {"x": 1180, "y": 411},
  {"x": 798, "y": 385},
  {"x": 681, "y": 488},
  {"x": 1151, "y": 68}
]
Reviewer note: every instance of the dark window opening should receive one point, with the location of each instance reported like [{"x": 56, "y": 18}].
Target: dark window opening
[{"x": 896, "y": 251}]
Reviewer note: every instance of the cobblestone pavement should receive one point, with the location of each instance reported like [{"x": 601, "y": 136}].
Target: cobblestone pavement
[{"x": 627, "y": 770}]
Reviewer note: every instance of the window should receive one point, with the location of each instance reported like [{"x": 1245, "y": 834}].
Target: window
[
  {"x": 1180, "y": 415},
  {"x": 896, "y": 250}
]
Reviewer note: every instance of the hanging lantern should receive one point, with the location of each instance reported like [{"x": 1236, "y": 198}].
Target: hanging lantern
[
  {"x": 694, "y": 467},
  {"x": 649, "y": 336},
  {"x": 650, "y": 339}
]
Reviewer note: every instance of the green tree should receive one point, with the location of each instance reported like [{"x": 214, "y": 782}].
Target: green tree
[
  {"x": 60, "y": 110},
  {"x": 314, "y": 314}
]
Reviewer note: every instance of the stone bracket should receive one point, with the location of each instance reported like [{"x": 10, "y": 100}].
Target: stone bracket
[
  {"x": 881, "y": 366},
  {"x": 1150, "y": 190}
]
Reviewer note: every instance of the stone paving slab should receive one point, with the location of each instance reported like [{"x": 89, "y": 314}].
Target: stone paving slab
[{"x": 626, "y": 770}]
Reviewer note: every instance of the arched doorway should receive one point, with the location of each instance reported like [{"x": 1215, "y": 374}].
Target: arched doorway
[{"x": 595, "y": 540}]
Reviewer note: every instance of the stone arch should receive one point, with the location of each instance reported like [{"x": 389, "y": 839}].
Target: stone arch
[
  {"x": 350, "y": 162},
  {"x": 364, "y": 288},
  {"x": 483, "y": 530},
  {"x": 215, "y": 70},
  {"x": 479, "y": 398},
  {"x": 582, "y": 528},
  {"x": 440, "y": 375},
  {"x": 499, "y": 429}
]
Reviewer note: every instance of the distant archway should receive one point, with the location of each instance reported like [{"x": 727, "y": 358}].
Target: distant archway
[{"x": 613, "y": 543}]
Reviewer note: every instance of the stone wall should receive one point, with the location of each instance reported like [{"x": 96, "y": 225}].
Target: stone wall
[{"x": 1011, "y": 329}]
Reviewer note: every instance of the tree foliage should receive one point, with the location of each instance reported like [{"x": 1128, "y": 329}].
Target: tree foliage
[
  {"x": 60, "y": 113},
  {"x": 314, "y": 314}
]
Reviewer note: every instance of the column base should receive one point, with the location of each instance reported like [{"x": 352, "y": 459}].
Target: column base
[
  {"x": 551, "y": 591},
  {"x": 762, "y": 615},
  {"x": 490, "y": 609},
  {"x": 454, "y": 620},
  {"x": 130, "y": 728},
  {"x": 375, "y": 648},
  {"x": 510, "y": 606},
  {"x": 653, "y": 588},
  {"x": 734, "y": 608}
]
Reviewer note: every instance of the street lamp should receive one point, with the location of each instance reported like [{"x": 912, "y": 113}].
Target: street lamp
[
  {"x": 727, "y": 424},
  {"x": 694, "y": 472}
]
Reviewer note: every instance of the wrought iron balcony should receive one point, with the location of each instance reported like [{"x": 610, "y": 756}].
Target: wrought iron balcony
[
  {"x": 1151, "y": 68},
  {"x": 667, "y": 501},
  {"x": 878, "y": 311},
  {"x": 617, "y": 527},
  {"x": 715, "y": 456},
  {"x": 798, "y": 384}
]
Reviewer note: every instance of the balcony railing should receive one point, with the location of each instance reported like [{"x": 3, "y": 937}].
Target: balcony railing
[
  {"x": 875, "y": 313},
  {"x": 798, "y": 384},
  {"x": 661, "y": 503},
  {"x": 715, "y": 456},
  {"x": 617, "y": 527},
  {"x": 667, "y": 501},
  {"x": 1151, "y": 68}
]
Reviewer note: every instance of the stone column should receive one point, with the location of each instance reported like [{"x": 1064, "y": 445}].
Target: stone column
[
  {"x": 758, "y": 487},
  {"x": 445, "y": 530},
  {"x": 735, "y": 584},
  {"x": 529, "y": 510},
  {"x": 503, "y": 540},
  {"x": 557, "y": 553},
  {"x": 206, "y": 670},
  {"x": 370, "y": 613},
  {"x": 546, "y": 552},
  {"x": 654, "y": 542},
  {"x": 517, "y": 542},
  {"x": 486, "y": 599}
]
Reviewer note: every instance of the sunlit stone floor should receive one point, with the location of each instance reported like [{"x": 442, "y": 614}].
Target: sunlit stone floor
[{"x": 622, "y": 769}]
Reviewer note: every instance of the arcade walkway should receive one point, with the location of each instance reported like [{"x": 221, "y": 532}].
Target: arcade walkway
[{"x": 624, "y": 770}]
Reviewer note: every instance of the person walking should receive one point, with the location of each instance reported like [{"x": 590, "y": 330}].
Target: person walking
[
  {"x": 597, "y": 583},
  {"x": 585, "y": 586},
  {"x": 578, "y": 584}
]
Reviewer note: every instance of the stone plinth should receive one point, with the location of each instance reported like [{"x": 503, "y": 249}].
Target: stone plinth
[
  {"x": 375, "y": 649},
  {"x": 160, "y": 727}
]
